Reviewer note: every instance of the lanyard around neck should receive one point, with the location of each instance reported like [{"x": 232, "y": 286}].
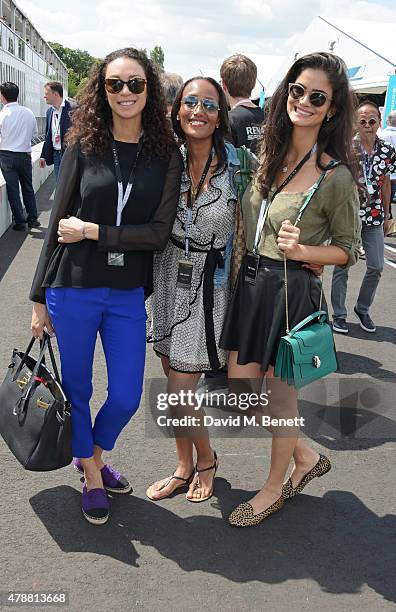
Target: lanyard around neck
[
  {"x": 368, "y": 163},
  {"x": 192, "y": 196},
  {"x": 123, "y": 197},
  {"x": 56, "y": 120},
  {"x": 266, "y": 202}
]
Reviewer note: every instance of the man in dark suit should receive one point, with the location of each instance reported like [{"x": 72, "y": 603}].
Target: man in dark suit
[{"x": 58, "y": 122}]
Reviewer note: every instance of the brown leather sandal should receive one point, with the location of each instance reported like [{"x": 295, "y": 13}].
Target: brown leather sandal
[
  {"x": 197, "y": 483},
  {"x": 186, "y": 483}
]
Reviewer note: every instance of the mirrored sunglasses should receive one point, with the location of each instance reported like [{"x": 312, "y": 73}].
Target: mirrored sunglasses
[
  {"x": 209, "y": 106},
  {"x": 364, "y": 122},
  {"x": 316, "y": 98},
  {"x": 135, "y": 85}
]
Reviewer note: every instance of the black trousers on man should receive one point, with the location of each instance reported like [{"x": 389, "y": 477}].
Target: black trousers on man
[{"x": 17, "y": 169}]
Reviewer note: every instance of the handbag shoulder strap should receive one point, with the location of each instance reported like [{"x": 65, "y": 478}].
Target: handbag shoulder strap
[
  {"x": 333, "y": 164},
  {"x": 304, "y": 206}
]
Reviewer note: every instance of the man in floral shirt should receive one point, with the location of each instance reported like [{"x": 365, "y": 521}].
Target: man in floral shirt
[{"x": 377, "y": 162}]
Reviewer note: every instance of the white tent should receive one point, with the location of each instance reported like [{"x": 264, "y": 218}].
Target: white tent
[{"x": 368, "y": 49}]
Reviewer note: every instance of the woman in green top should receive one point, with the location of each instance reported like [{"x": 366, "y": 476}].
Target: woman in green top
[{"x": 309, "y": 124}]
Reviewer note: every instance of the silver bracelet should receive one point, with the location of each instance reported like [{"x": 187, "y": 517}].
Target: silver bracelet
[{"x": 83, "y": 231}]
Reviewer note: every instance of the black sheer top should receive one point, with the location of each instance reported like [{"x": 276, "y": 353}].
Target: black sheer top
[{"x": 87, "y": 189}]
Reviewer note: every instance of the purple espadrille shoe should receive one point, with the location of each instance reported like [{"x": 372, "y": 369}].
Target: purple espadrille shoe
[
  {"x": 113, "y": 481},
  {"x": 95, "y": 506}
]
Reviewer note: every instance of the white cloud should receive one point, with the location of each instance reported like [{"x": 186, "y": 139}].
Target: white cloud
[{"x": 194, "y": 36}]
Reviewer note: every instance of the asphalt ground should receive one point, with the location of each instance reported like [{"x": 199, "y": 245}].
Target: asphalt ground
[{"x": 330, "y": 548}]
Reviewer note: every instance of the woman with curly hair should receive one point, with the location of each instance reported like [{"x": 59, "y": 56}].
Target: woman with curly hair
[
  {"x": 308, "y": 136},
  {"x": 115, "y": 204}
]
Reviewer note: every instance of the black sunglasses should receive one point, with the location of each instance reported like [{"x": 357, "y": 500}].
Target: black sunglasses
[
  {"x": 209, "y": 106},
  {"x": 316, "y": 98},
  {"x": 135, "y": 85},
  {"x": 371, "y": 122}
]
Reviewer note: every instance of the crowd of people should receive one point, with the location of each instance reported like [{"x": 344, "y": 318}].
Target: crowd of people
[{"x": 145, "y": 212}]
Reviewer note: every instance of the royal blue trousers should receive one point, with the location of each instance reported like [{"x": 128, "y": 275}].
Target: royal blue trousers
[{"x": 120, "y": 318}]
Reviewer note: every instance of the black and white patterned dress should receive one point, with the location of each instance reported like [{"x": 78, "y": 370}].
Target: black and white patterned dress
[{"x": 186, "y": 323}]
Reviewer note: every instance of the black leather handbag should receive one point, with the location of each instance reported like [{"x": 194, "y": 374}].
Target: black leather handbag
[{"x": 34, "y": 412}]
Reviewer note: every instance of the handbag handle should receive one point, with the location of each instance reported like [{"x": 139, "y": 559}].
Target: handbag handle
[
  {"x": 23, "y": 360},
  {"x": 319, "y": 314},
  {"x": 45, "y": 341},
  {"x": 44, "y": 344},
  {"x": 24, "y": 400},
  {"x": 47, "y": 338}
]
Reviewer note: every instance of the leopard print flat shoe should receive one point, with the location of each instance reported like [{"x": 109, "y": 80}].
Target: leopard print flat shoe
[
  {"x": 319, "y": 469},
  {"x": 243, "y": 515}
]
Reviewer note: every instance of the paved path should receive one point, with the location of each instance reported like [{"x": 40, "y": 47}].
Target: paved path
[{"x": 332, "y": 548}]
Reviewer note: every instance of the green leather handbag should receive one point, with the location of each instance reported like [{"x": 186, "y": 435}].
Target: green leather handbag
[{"x": 307, "y": 351}]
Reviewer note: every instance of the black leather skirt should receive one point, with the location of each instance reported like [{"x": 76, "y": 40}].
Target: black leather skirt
[{"x": 256, "y": 316}]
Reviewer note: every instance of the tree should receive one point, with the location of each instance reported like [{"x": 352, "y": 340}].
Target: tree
[
  {"x": 73, "y": 83},
  {"x": 157, "y": 56},
  {"x": 78, "y": 64}
]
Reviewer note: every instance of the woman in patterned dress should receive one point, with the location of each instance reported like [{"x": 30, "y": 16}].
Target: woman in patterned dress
[{"x": 187, "y": 320}]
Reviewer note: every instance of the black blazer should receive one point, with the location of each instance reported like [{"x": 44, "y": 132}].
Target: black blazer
[{"x": 47, "y": 151}]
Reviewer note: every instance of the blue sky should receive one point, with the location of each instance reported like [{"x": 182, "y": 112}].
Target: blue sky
[{"x": 195, "y": 36}]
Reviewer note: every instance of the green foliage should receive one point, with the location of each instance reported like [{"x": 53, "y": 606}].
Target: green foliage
[
  {"x": 157, "y": 56},
  {"x": 73, "y": 83},
  {"x": 78, "y": 64}
]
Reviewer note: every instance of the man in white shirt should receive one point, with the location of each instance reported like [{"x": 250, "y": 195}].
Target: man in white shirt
[
  {"x": 18, "y": 126},
  {"x": 58, "y": 122},
  {"x": 389, "y": 135}
]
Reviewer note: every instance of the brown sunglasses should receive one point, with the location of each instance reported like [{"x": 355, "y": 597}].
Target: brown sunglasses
[{"x": 135, "y": 85}]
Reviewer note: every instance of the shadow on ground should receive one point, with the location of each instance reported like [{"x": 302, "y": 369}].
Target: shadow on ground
[
  {"x": 335, "y": 540},
  {"x": 351, "y": 363},
  {"x": 12, "y": 241},
  {"x": 383, "y": 333}
]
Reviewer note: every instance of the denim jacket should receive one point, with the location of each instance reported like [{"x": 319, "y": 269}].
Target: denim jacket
[{"x": 221, "y": 275}]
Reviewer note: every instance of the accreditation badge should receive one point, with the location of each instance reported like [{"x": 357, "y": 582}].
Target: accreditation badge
[
  {"x": 184, "y": 274},
  {"x": 251, "y": 268},
  {"x": 115, "y": 259}
]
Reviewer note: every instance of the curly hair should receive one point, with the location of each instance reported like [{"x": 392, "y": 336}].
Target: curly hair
[
  {"x": 335, "y": 135},
  {"x": 220, "y": 133},
  {"x": 92, "y": 121}
]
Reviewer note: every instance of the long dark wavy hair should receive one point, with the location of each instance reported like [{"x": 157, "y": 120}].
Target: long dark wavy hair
[
  {"x": 92, "y": 121},
  {"x": 335, "y": 136},
  {"x": 220, "y": 133}
]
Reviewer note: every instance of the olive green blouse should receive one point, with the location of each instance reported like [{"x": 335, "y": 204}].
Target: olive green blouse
[{"x": 332, "y": 214}]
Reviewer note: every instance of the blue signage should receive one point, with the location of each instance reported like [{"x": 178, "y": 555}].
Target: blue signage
[{"x": 390, "y": 100}]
